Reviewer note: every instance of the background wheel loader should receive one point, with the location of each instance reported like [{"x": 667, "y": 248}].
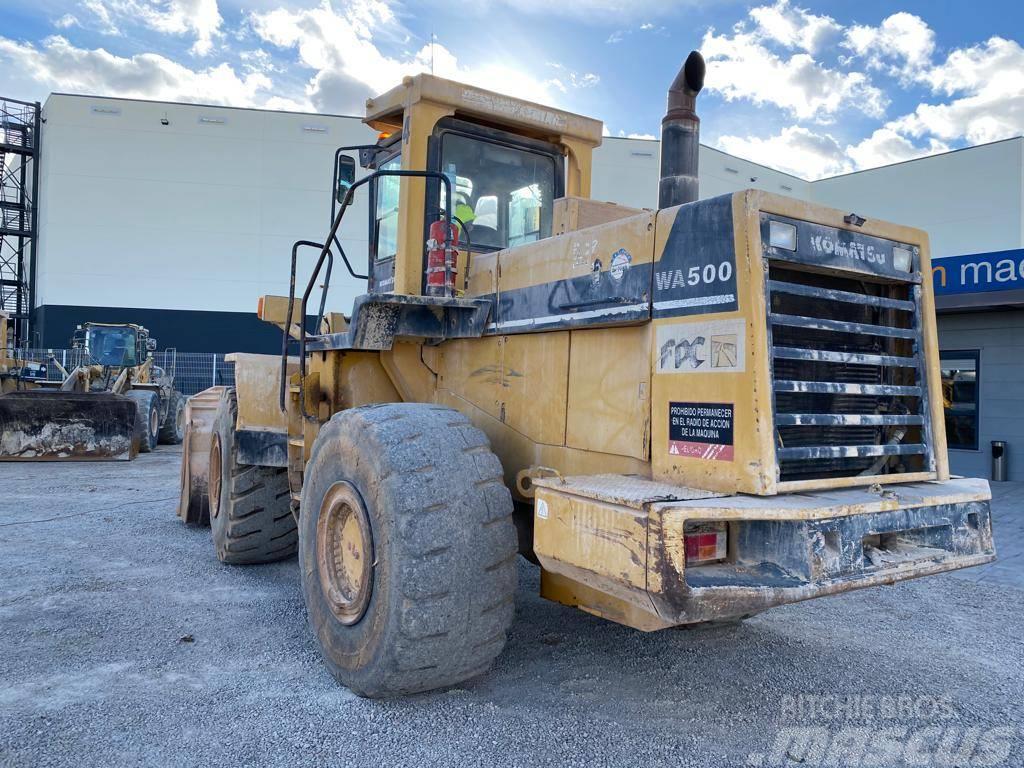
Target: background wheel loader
[
  {"x": 683, "y": 415},
  {"x": 114, "y": 404}
]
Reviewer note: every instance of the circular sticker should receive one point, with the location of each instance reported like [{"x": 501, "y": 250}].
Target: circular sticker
[{"x": 619, "y": 264}]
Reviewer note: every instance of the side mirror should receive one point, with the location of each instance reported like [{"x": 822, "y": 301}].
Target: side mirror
[
  {"x": 346, "y": 176},
  {"x": 151, "y": 345}
]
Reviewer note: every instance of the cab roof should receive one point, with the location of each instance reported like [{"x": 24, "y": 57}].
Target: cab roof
[
  {"x": 113, "y": 325},
  {"x": 385, "y": 111}
]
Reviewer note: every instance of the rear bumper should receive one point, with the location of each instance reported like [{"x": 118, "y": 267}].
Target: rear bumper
[
  {"x": 785, "y": 561},
  {"x": 627, "y": 561}
]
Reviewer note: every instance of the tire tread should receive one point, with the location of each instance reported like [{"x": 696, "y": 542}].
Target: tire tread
[
  {"x": 452, "y": 544},
  {"x": 256, "y": 510}
]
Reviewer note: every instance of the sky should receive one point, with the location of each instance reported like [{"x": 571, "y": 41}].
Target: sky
[{"x": 811, "y": 88}]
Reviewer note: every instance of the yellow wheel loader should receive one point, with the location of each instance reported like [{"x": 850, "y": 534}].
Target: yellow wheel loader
[
  {"x": 114, "y": 404},
  {"x": 683, "y": 415}
]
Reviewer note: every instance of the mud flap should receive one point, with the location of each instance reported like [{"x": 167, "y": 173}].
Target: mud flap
[{"x": 42, "y": 425}]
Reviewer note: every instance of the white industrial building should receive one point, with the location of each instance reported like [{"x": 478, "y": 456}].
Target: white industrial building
[{"x": 179, "y": 216}]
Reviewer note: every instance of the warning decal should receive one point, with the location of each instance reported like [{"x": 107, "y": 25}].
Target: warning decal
[{"x": 701, "y": 430}]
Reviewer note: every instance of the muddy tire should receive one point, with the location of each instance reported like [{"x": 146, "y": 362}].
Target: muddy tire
[
  {"x": 407, "y": 549},
  {"x": 147, "y": 418},
  {"x": 172, "y": 431},
  {"x": 250, "y": 515}
]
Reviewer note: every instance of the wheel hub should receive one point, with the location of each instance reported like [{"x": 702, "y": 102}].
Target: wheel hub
[
  {"x": 215, "y": 475},
  {"x": 344, "y": 552}
]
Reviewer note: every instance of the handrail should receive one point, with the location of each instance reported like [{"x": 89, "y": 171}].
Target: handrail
[
  {"x": 326, "y": 251},
  {"x": 291, "y": 304}
]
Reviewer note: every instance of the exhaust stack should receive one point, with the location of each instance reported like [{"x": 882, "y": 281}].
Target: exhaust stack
[{"x": 680, "y": 136}]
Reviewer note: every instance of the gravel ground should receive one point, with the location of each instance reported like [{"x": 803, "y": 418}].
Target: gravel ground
[{"x": 126, "y": 642}]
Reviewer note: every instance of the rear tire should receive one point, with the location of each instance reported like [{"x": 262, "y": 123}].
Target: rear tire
[
  {"x": 172, "y": 431},
  {"x": 147, "y": 418},
  {"x": 427, "y": 601},
  {"x": 250, "y": 506}
]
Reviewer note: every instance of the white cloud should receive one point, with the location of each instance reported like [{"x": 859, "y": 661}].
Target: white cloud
[
  {"x": 745, "y": 64},
  {"x": 990, "y": 81},
  {"x": 779, "y": 55},
  {"x": 584, "y": 79},
  {"x": 574, "y": 79},
  {"x": 903, "y": 45},
  {"x": 997, "y": 112},
  {"x": 742, "y": 67},
  {"x": 591, "y": 11},
  {"x": 794, "y": 27},
  {"x": 103, "y": 16},
  {"x": 885, "y": 146},
  {"x": 258, "y": 61},
  {"x": 985, "y": 81},
  {"x": 200, "y": 18},
  {"x": 812, "y": 155},
  {"x": 998, "y": 62},
  {"x": 59, "y": 65},
  {"x": 795, "y": 150},
  {"x": 341, "y": 46}
]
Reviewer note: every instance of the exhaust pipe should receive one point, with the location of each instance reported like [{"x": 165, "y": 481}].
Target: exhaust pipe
[{"x": 680, "y": 136}]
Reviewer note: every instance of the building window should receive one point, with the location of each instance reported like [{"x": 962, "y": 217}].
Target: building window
[{"x": 960, "y": 378}]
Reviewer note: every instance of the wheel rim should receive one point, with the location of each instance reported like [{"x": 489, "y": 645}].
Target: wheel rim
[
  {"x": 214, "y": 481},
  {"x": 344, "y": 553},
  {"x": 179, "y": 421},
  {"x": 154, "y": 421}
]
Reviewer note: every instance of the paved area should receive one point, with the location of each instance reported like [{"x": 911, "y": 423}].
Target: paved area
[
  {"x": 1008, "y": 531},
  {"x": 126, "y": 643}
]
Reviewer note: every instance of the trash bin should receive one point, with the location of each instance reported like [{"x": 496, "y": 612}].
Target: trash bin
[{"x": 999, "y": 460}]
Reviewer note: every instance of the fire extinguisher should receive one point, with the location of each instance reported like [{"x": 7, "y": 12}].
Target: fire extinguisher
[{"x": 441, "y": 261}]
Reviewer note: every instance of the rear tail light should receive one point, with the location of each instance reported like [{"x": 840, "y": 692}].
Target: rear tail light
[{"x": 706, "y": 543}]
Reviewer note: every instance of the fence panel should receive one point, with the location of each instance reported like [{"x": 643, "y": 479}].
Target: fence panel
[{"x": 193, "y": 371}]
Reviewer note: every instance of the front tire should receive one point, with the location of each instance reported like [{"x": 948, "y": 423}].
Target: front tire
[
  {"x": 147, "y": 418},
  {"x": 250, "y": 512},
  {"x": 407, "y": 549},
  {"x": 172, "y": 431}
]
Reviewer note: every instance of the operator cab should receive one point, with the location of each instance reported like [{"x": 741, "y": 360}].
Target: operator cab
[
  {"x": 505, "y": 160},
  {"x": 120, "y": 346}
]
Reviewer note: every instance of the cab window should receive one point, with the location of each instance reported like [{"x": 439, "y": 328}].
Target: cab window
[
  {"x": 112, "y": 346},
  {"x": 503, "y": 194},
  {"x": 386, "y": 211}
]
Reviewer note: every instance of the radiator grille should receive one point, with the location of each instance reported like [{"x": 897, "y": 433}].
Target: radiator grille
[{"x": 847, "y": 373}]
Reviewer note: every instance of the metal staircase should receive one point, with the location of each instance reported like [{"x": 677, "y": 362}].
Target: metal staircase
[{"x": 20, "y": 123}]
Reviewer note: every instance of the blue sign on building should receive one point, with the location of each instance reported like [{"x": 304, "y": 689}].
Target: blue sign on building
[{"x": 979, "y": 272}]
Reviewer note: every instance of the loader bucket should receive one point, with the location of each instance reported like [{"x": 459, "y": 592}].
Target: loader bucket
[
  {"x": 46, "y": 425},
  {"x": 200, "y": 413}
]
